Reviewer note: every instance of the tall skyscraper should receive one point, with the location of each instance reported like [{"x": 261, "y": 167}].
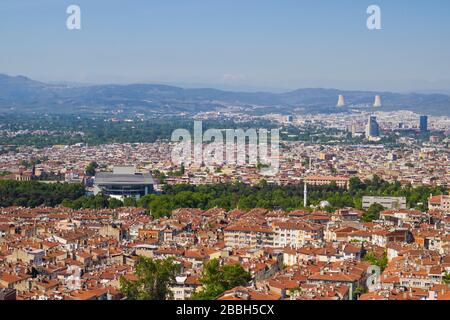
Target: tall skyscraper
[
  {"x": 353, "y": 130},
  {"x": 372, "y": 128},
  {"x": 377, "y": 102},
  {"x": 423, "y": 124},
  {"x": 341, "y": 101}
]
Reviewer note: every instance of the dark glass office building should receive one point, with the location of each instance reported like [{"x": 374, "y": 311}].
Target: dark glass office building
[
  {"x": 423, "y": 124},
  {"x": 372, "y": 128}
]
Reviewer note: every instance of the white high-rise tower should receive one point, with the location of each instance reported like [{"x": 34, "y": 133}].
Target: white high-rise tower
[
  {"x": 377, "y": 102},
  {"x": 341, "y": 101}
]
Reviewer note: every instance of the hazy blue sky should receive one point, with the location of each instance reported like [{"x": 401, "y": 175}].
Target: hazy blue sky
[{"x": 244, "y": 44}]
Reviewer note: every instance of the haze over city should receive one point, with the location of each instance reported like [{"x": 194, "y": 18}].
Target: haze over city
[{"x": 239, "y": 45}]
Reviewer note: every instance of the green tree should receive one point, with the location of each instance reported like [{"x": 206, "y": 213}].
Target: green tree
[
  {"x": 130, "y": 202},
  {"x": 159, "y": 176},
  {"x": 373, "y": 213},
  {"x": 217, "y": 279},
  {"x": 34, "y": 194},
  {"x": 182, "y": 169},
  {"x": 153, "y": 280},
  {"x": 66, "y": 203},
  {"x": 114, "y": 203},
  {"x": 358, "y": 292},
  {"x": 90, "y": 169},
  {"x": 446, "y": 278},
  {"x": 356, "y": 184},
  {"x": 381, "y": 262}
]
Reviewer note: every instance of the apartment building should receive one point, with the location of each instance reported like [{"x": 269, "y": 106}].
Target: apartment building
[
  {"x": 386, "y": 202},
  {"x": 240, "y": 235},
  {"x": 341, "y": 182},
  {"x": 441, "y": 202},
  {"x": 296, "y": 234}
]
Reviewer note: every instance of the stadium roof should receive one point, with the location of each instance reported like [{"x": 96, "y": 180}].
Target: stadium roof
[{"x": 105, "y": 178}]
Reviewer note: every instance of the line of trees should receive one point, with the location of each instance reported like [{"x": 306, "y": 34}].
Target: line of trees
[
  {"x": 92, "y": 202},
  {"x": 270, "y": 196},
  {"x": 227, "y": 196},
  {"x": 34, "y": 193}
]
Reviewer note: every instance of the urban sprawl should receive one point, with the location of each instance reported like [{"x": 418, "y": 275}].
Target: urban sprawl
[{"x": 315, "y": 250}]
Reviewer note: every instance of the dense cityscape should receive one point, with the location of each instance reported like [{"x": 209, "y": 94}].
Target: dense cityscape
[
  {"x": 218, "y": 159},
  {"x": 374, "y": 194}
]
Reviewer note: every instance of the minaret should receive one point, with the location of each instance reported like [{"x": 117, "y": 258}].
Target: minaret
[
  {"x": 305, "y": 186},
  {"x": 341, "y": 101},
  {"x": 305, "y": 195},
  {"x": 377, "y": 102}
]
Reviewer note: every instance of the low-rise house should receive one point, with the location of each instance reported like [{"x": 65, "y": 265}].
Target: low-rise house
[{"x": 184, "y": 287}]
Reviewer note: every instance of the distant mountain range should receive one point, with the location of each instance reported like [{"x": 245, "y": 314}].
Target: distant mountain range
[{"x": 20, "y": 93}]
